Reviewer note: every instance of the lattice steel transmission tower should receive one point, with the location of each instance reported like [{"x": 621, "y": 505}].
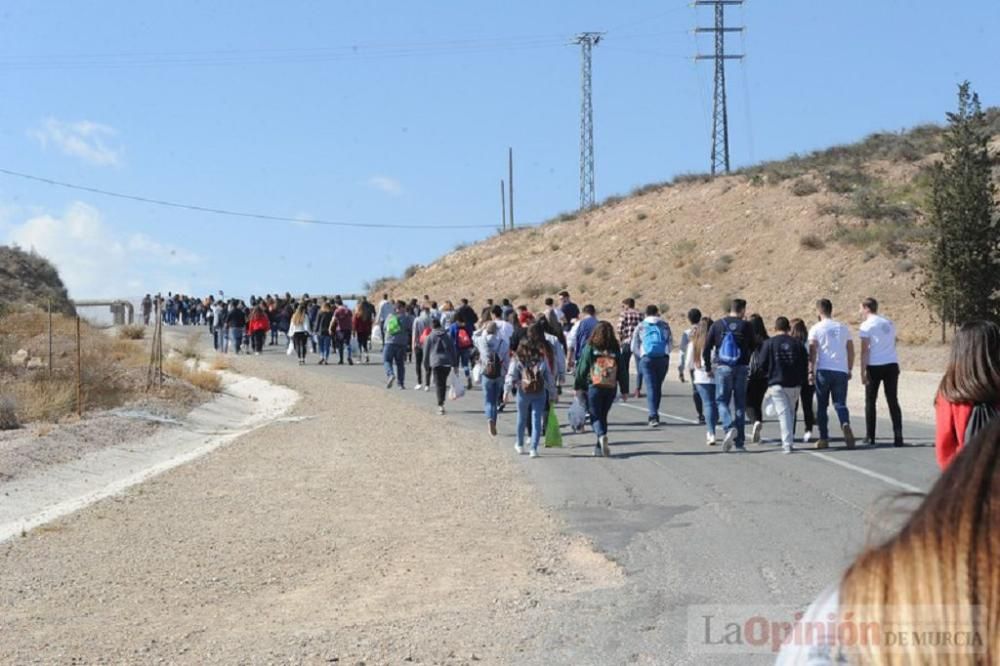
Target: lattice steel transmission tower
[
  {"x": 720, "y": 114},
  {"x": 587, "y": 41}
]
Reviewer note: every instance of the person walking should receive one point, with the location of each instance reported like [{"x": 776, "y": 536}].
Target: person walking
[
  {"x": 147, "y": 309},
  {"x": 398, "y": 330},
  {"x": 756, "y": 380},
  {"x": 324, "y": 328},
  {"x": 831, "y": 359},
  {"x": 628, "y": 319},
  {"x": 461, "y": 332},
  {"x": 362, "y": 326},
  {"x": 879, "y": 365},
  {"x": 421, "y": 330},
  {"x": 494, "y": 361},
  {"x": 570, "y": 311},
  {"x": 236, "y": 322},
  {"x": 529, "y": 374},
  {"x": 298, "y": 329},
  {"x": 726, "y": 357},
  {"x": 703, "y": 383},
  {"x": 783, "y": 362},
  {"x": 468, "y": 313},
  {"x": 969, "y": 392},
  {"x": 651, "y": 346},
  {"x": 685, "y": 369},
  {"x": 598, "y": 376},
  {"x": 808, "y": 393},
  {"x": 343, "y": 322},
  {"x": 258, "y": 327},
  {"x": 386, "y": 309},
  {"x": 439, "y": 356},
  {"x": 579, "y": 333}
]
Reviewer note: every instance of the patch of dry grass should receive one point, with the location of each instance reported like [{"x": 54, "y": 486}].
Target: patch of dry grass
[
  {"x": 219, "y": 362},
  {"x": 131, "y": 332},
  {"x": 206, "y": 380}
]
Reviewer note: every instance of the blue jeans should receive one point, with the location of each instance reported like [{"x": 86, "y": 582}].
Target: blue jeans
[
  {"x": 464, "y": 361},
  {"x": 710, "y": 406},
  {"x": 237, "y": 335},
  {"x": 492, "y": 391},
  {"x": 325, "y": 343},
  {"x": 599, "y": 401},
  {"x": 830, "y": 383},
  {"x": 731, "y": 397},
  {"x": 533, "y": 404},
  {"x": 654, "y": 371},
  {"x": 394, "y": 354}
]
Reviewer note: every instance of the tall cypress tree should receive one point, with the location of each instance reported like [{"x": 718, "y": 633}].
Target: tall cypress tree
[{"x": 962, "y": 280}]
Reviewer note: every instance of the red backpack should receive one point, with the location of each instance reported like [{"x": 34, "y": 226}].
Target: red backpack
[{"x": 464, "y": 339}]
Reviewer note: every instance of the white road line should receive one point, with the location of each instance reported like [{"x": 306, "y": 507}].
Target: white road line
[
  {"x": 867, "y": 472},
  {"x": 846, "y": 465}
]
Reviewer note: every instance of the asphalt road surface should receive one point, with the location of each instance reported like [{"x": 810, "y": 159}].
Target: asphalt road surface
[{"x": 756, "y": 532}]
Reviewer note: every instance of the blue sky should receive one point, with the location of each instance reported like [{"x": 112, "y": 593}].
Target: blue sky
[{"x": 401, "y": 113}]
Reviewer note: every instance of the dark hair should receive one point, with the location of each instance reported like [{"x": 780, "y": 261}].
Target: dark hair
[
  {"x": 435, "y": 322},
  {"x": 824, "y": 306},
  {"x": 652, "y": 310},
  {"x": 781, "y": 324},
  {"x": 870, "y": 304},
  {"x": 603, "y": 338},
  {"x": 694, "y": 315},
  {"x": 564, "y": 293},
  {"x": 738, "y": 305},
  {"x": 973, "y": 372},
  {"x": 505, "y": 301},
  {"x": 464, "y": 301},
  {"x": 629, "y": 302},
  {"x": 549, "y": 301},
  {"x": 496, "y": 311},
  {"x": 590, "y": 309},
  {"x": 759, "y": 330},
  {"x": 799, "y": 330}
]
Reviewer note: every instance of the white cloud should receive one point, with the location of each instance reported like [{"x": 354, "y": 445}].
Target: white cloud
[
  {"x": 390, "y": 186},
  {"x": 83, "y": 139},
  {"x": 94, "y": 262}
]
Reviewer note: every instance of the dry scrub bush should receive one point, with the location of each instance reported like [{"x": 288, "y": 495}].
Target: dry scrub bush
[
  {"x": 131, "y": 332},
  {"x": 206, "y": 380},
  {"x": 8, "y": 414}
]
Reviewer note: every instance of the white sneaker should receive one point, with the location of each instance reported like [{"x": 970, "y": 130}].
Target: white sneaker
[
  {"x": 605, "y": 449},
  {"x": 807, "y": 437},
  {"x": 787, "y": 449},
  {"x": 533, "y": 454},
  {"x": 727, "y": 443},
  {"x": 518, "y": 449},
  {"x": 427, "y": 388},
  {"x": 441, "y": 410},
  {"x": 755, "y": 433},
  {"x": 710, "y": 438},
  {"x": 389, "y": 382},
  {"x": 417, "y": 387}
]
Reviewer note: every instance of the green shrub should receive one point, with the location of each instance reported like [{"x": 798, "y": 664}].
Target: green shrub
[
  {"x": 803, "y": 187},
  {"x": 410, "y": 271}
]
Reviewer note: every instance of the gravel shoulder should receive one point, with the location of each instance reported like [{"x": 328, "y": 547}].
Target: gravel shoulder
[{"x": 369, "y": 531}]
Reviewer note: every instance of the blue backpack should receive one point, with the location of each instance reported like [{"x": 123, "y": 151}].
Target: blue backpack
[
  {"x": 654, "y": 341},
  {"x": 729, "y": 351}
]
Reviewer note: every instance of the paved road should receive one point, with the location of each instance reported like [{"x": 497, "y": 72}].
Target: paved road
[{"x": 691, "y": 525}]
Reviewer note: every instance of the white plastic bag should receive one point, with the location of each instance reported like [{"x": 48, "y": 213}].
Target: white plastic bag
[
  {"x": 577, "y": 415},
  {"x": 457, "y": 387},
  {"x": 477, "y": 373},
  {"x": 291, "y": 347}
]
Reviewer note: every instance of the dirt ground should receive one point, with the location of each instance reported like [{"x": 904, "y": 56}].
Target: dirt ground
[{"x": 369, "y": 533}]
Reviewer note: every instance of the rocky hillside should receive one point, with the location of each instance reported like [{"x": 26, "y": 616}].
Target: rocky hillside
[
  {"x": 844, "y": 223},
  {"x": 28, "y": 279}
]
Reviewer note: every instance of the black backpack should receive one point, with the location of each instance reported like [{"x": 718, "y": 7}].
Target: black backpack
[{"x": 982, "y": 415}]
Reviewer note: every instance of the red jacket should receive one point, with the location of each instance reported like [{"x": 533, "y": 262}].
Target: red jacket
[
  {"x": 361, "y": 326},
  {"x": 258, "y": 323},
  {"x": 952, "y": 420}
]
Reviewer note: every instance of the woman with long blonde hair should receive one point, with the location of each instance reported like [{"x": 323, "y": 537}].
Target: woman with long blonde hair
[
  {"x": 931, "y": 593},
  {"x": 300, "y": 332}
]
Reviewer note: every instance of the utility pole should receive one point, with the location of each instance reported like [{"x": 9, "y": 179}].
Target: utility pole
[
  {"x": 720, "y": 115},
  {"x": 510, "y": 184},
  {"x": 587, "y": 41},
  {"x": 503, "y": 207}
]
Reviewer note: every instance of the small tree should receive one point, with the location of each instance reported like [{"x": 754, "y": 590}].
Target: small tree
[{"x": 962, "y": 280}]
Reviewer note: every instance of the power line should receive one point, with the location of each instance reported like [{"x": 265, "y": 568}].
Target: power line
[{"x": 232, "y": 213}]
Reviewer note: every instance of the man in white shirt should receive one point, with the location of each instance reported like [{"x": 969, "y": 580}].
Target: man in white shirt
[
  {"x": 505, "y": 329},
  {"x": 879, "y": 364},
  {"x": 385, "y": 310},
  {"x": 831, "y": 360}
]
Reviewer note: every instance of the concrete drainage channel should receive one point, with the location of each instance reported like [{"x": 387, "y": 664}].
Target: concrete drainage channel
[{"x": 245, "y": 404}]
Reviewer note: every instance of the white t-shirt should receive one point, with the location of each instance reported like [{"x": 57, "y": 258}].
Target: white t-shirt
[
  {"x": 831, "y": 338},
  {"x": 700, "y": 376},
  {"x": 505, "y": 330},
  {"x": 881, "y": 336},
  {"x": 813, "y": 641}
]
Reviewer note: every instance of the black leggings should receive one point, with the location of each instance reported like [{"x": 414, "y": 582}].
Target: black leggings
[
  {"x": 806, "y": 400},
  {"x": 418, "y": 360},
  {"x": 889, "y": 375},
  {"x": 441, "y": 384},
  {"x": 257, "y": 337},
  {"x": 299, "y": 340},
  {"x": 756, "y": 388}
]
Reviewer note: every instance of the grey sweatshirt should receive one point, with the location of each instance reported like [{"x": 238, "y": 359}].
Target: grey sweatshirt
[{"x": 439, "y": 350}]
